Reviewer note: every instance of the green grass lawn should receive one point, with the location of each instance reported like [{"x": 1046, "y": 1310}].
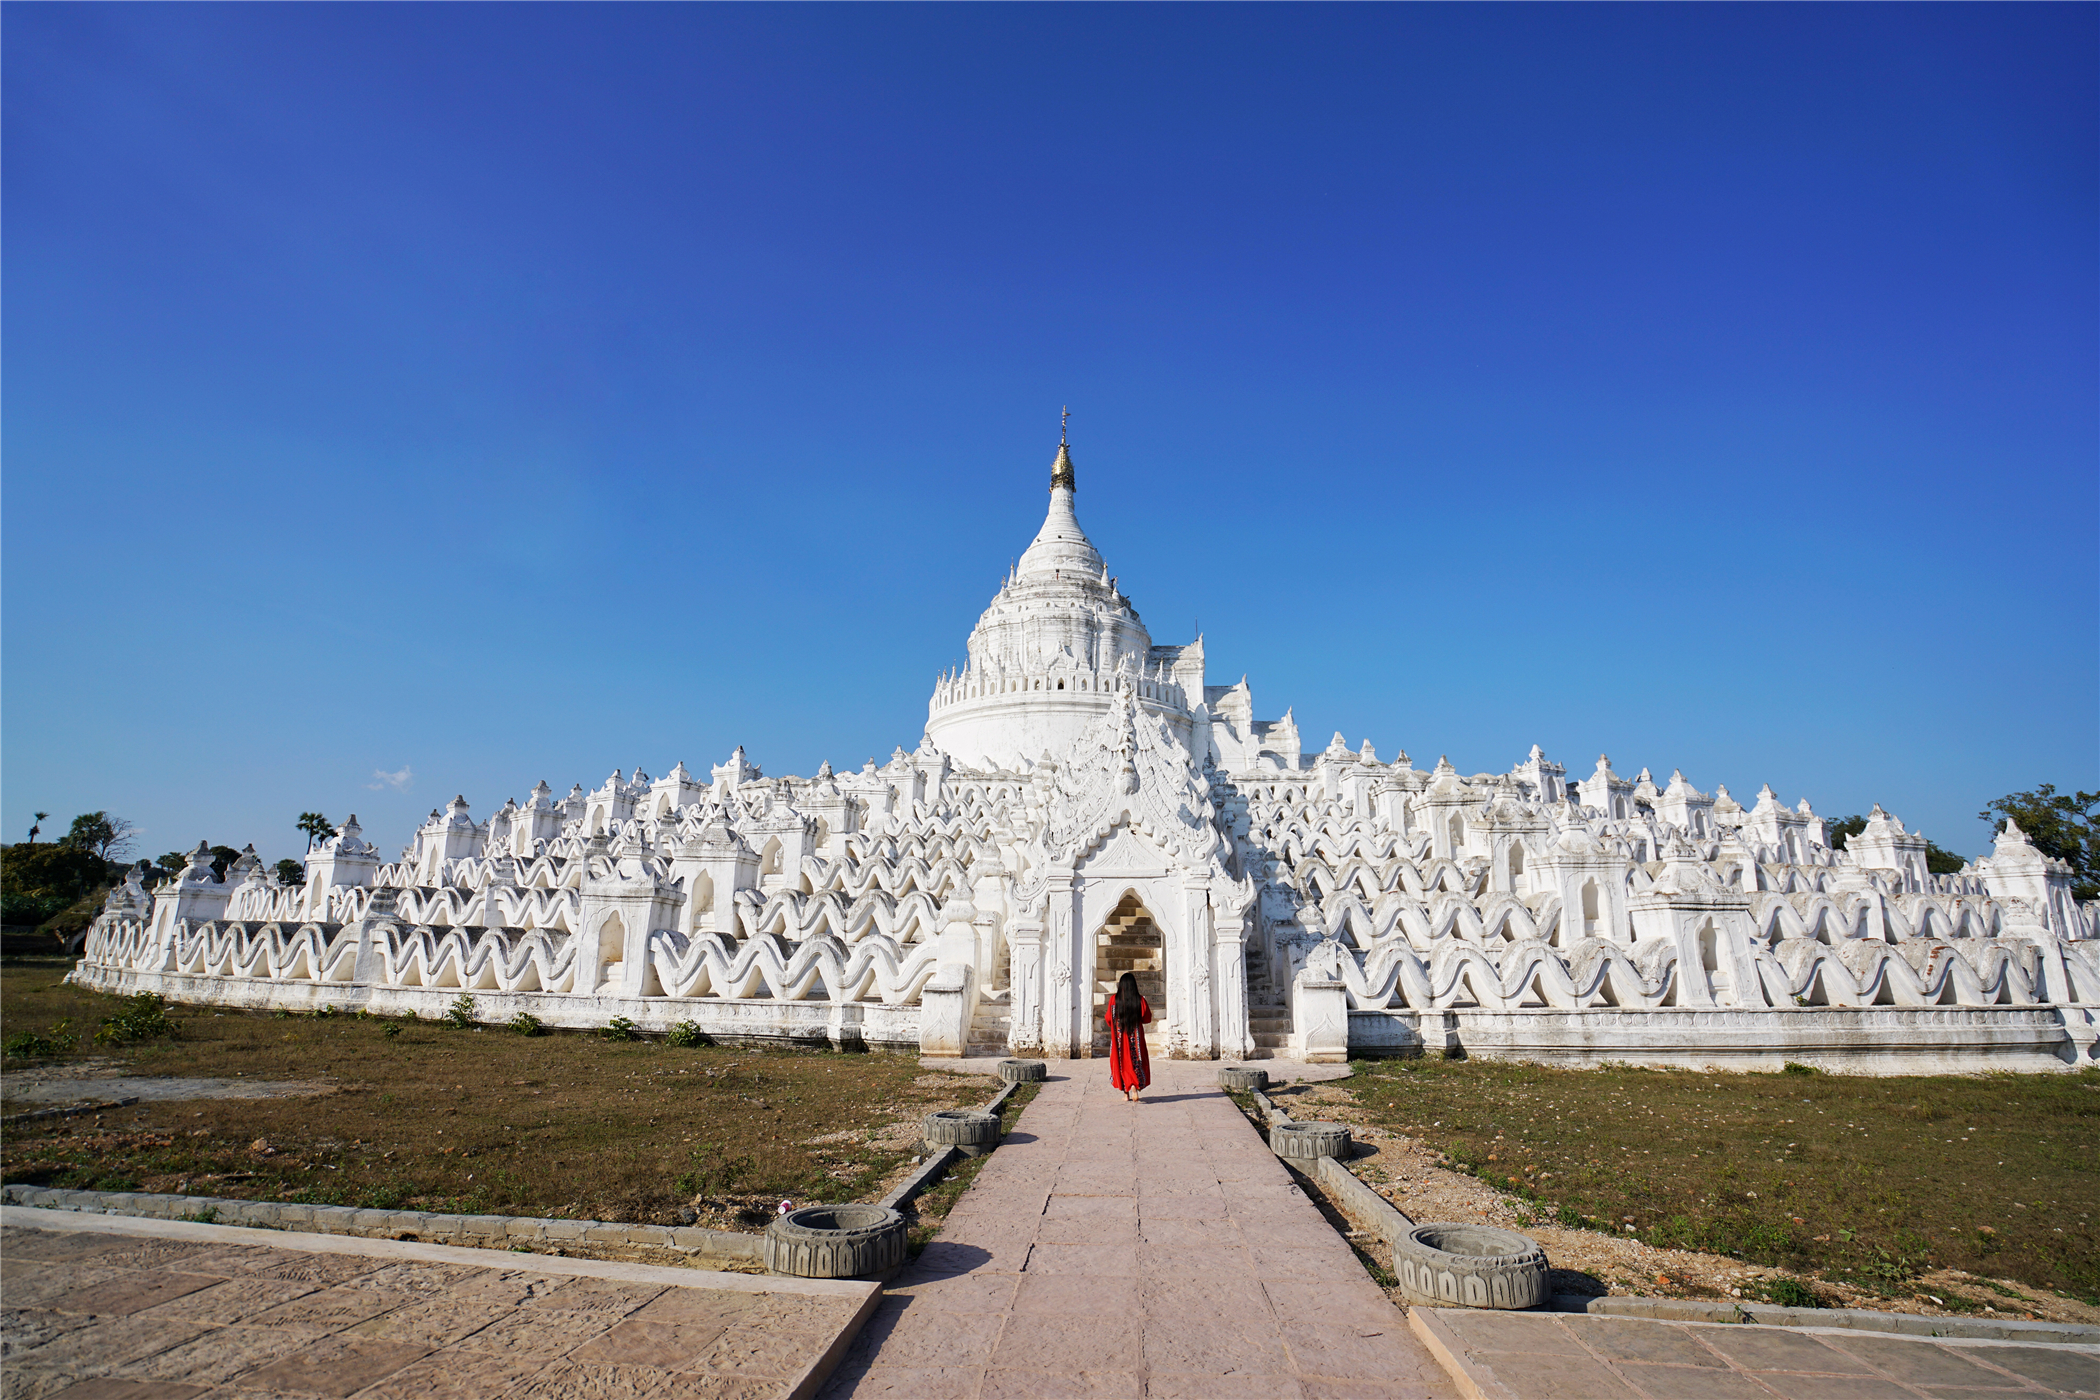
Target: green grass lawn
[
  {"x": 1869, "y": 1181},
  {"x": 430, "y": 1116}
]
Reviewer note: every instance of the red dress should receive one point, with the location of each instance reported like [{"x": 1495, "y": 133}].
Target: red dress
[{"x": 1129, "y": 1062}]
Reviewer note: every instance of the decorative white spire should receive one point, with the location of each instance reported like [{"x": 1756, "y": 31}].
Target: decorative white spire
[{"x": 1061, "y": 549}]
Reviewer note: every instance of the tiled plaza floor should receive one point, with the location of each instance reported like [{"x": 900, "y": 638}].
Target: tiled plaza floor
[
  {"x": 1151, "y": 1249},
  {"x": 105, "y": 1308},
  {"x": 1541, "y": 1356}
]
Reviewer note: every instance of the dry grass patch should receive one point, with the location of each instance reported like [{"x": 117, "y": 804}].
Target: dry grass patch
[
  {"x": 430, "y": 1116},
  {"x": 1897, "y": 1187}
]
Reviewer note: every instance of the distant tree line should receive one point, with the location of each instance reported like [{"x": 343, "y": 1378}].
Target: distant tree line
[
  {"x": 59, "y": 881},
  {"x": 58, "y": 887}
]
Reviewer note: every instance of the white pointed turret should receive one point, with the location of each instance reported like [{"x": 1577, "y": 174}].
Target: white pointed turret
[
  {"x": 1057, "y": 642},
  {"x": 1061, "y": 549}
]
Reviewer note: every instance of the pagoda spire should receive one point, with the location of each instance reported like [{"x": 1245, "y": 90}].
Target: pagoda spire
[{"x": 1061, "y": 473}]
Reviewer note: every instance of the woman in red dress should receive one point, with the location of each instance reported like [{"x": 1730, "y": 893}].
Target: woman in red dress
[{"x": 1129, "y": 1063}]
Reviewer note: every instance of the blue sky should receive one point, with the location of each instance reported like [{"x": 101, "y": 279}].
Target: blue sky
[{"x": 502, "y": 393}]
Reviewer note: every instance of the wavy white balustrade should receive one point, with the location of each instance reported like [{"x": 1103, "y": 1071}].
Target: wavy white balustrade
[
  {"x": 820, "y": 969},
  {"x": 799, "y": 917},
  {"x": 1797, "y": 972}
]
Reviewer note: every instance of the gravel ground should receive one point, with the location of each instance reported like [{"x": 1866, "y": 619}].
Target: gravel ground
[{"x": 1416, "y": 1179}]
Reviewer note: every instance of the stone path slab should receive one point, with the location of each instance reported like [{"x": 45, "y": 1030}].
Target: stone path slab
[
  {"x": 1155, "y": 1249},
  {"x": 1545, "y": 1356},
  {"x": 167, "y": 1310}
]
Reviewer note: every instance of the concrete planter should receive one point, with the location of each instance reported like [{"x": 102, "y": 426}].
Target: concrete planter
[
  {"x": 1308, "y": 1142},
  {"x": 848, "y": 1241},
  {"x": 1023, "y": 1071},
  {"x": 1470, "y": 1266},
  {"x": 970, "y": 1130}
]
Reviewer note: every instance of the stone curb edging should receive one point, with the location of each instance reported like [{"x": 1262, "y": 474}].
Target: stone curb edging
[
  {"x": 1849, "y": 1319},
  {"x": 670, "y": 1275},
  {"x": 489, "y": 1231},
  {"x": 68, "y": 1110},
  {"x": 938, "y": 1164},
  {"x": 932, "y": 1170},
  {"x": 1353, "y": 1197}
]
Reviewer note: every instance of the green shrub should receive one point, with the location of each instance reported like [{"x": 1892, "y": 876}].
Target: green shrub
[
  {"x": 1789, "y": 1293},
  {"x": 1890, "y": 1270},
  {"x": 620, "y": 1028},
  {"x": 142, "y": 1017},
  {"x": 461, "y": 1012},
  {"x": 30, "y": 1045},
  {"x": 525, "y": 1023},
  {"x": 1796, "y": 1067},
  {"x": 390, "y": 1029},
  {"x": 688, "y": 1033}
]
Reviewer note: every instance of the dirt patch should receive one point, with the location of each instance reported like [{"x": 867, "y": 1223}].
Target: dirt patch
[
  {"x": 1452, "y": 1172},
  {"x": 100, "y": 1079}
]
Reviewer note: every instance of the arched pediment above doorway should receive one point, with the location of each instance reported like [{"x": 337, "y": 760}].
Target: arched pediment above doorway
[{"x": 1124, "y": 852}]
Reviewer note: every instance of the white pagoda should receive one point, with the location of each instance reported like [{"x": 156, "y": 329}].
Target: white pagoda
[{"x": 1083, "y": 803}]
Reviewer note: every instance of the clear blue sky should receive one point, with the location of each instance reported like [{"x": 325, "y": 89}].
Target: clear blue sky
[{"x": 504, "y": 393}]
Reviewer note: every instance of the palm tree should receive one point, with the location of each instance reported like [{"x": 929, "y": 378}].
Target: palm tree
[
  {"x": 37, "y": 826},
  {"x": 316, "y": 827}
]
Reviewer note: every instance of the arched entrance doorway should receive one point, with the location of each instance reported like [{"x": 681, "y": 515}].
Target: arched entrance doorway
[{"x": 1129, "y": 941}]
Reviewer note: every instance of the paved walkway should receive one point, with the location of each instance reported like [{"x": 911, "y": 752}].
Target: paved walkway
[
  {"x": 1535, "y": 1356},
  {"x": 107, "y": 1306},
  {"x": 1118, "y": 1250}
]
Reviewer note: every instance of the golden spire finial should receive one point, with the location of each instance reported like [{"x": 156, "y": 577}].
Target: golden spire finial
[{"x": 1061, "y": 470}]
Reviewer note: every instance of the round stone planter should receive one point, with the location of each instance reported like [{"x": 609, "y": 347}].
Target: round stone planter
[
  {"x": 848, "y": 1241},
  {"x": 1470, "y": 1266},
  {"x": 1023, "y": 1071},
  {"x": 970, "y": 1129},
  {"x": 1245, "y": 1078},
  {"x": 1308, "y": 1142}
]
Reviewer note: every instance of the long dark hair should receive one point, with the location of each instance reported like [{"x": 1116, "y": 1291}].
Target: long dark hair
[{"x": 1127, "y": 1002}]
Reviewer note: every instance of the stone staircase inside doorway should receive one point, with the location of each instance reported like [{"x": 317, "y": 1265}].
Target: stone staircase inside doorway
[
  {"x": 991, "y": 1027},
  {"x": 1130, "y": 942},
  {"x": 1268, "y": 1018}
]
